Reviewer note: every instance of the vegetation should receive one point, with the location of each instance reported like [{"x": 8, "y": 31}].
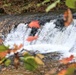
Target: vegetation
[{"x": 24, "y": 6}]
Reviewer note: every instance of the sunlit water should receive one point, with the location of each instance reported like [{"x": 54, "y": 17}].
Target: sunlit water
[{"x": 50, "y": 39}]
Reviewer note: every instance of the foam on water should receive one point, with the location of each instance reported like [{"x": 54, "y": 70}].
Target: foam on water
[{"x": 50, "y": 38}]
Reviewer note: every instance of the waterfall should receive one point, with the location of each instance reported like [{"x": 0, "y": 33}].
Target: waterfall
[{"x": 50, "y": 38}]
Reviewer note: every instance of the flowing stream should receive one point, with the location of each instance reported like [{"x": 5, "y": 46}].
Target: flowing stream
[{"x": 50, "y": 39}]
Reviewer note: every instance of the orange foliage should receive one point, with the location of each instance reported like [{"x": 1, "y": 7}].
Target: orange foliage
[
  {"x": 31, "y": 38},
  {"x": 34, "y": 24},
  {"x": 68, "y": 18},
  {"x": 17, "y": 47},
  {"x": 65, "y": 15},
  {"x": 67, "y": 60},
  {"x": 72, "y": 65},
  {"x": 62, "y": 72},
  {"x": 3, "y": 54}
]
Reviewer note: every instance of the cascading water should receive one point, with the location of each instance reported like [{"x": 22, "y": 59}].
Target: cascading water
[{"x": 50, "y": 38}]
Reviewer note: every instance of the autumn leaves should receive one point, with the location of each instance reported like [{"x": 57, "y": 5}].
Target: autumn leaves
[
  {"x": 69, "y": 70},
  {"x": 34, "y": 25},
  {"x": 67, "y": 59},
  {"x": 68, "y": 18}
]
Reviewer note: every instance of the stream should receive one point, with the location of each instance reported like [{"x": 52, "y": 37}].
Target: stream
[{"x": 50, "y": 38}]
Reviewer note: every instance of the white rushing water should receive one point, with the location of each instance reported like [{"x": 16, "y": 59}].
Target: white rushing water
[{"x": 50, "y": 39}]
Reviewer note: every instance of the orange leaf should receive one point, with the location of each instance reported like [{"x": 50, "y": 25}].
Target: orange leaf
[
  {"x": 17, "y": 47},
  {"x": 65, "y": 14},
  {"x": 3, "y": 54},
  {"x": 20, "y": 46},
  {"x": 71, "y": 58},
  {"x": 62, "y": 72},
  {"x": 72, "y": 65},
  {"x": 31, "y": 38},
  {"x": 67, "y": 60},
  {"x": 68, "y": 17},
  {"x": 34, "y": 24}
]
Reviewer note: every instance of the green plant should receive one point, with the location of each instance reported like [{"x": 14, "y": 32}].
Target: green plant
[
  {"x": 3, "y": 48},
  {"x": 52, "y": 5},
  {"x": 49, "y": 7},
  {"x": 7, "y": 62},
  {"x": 69, "y": 3},
  {"x": 29, "y": 63}
]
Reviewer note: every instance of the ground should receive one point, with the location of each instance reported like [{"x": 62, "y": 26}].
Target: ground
[{"x": 51, "y": 66}]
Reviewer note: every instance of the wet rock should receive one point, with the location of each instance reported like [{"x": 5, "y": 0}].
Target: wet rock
[{"x": 59, "y": 23}]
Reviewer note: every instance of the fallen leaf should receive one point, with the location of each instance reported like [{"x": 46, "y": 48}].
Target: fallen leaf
[
  {"x": 39, "y": 61},
  {"x": 67, "y": 60},
  {"x": 65, "y": 15},
  {"x": 31, "y": 38},
  {"x": 34, "y": 24},
  {"x": 25, "y": 53},
  {"x": 20, "y": 46},
  {"x": 71, "y": 57},
  {"x": 3, "y": 54},
  {"x": 62, "y": 72},
  {"x": 69, "y": 18},
  {"x": 40, "y": 56},
  {"x": 16, "y": 47}
]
